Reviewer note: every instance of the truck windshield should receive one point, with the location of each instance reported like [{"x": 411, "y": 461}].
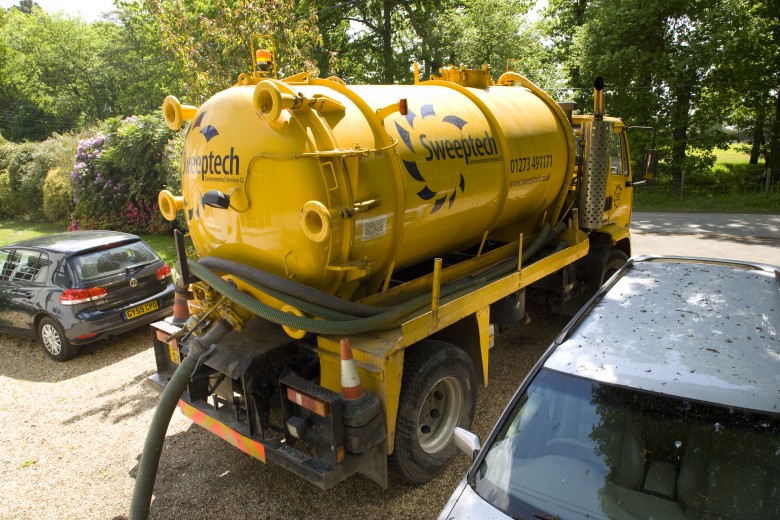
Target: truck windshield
[{"x": 575, "y": 448}]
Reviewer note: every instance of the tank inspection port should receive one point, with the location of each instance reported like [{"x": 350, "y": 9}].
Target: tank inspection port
[{"x": 316, "y": 221}]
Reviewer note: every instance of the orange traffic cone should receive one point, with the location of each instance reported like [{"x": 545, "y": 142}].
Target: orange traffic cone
[
  {"x": 181, "y": 310},
  {"x": 351, "y": 388}
]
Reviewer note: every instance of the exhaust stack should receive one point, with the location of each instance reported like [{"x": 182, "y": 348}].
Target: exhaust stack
[
  {"x": 595, "y": 175},
  {"x": 598, "y": 99}
]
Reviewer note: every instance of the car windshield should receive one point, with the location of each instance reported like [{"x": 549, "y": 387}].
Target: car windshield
[
  {"x": 106, "y": 262},
  {"x": 576, "y": 448}
]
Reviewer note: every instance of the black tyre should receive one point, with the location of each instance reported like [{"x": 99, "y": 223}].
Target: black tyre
[
  {"x": 53, "y": 340},
  {"x": 438, "y": 393},
  {"x": 615, "y": 260}
]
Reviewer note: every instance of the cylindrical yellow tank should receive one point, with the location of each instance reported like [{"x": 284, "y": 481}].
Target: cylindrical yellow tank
[{"x": 332, "y": 186}]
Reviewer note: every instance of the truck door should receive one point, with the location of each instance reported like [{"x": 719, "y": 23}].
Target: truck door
[{"x": 619, "y": 190}]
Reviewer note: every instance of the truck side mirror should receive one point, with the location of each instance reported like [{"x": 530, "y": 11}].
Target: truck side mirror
[{"x": 650, "y": 164}]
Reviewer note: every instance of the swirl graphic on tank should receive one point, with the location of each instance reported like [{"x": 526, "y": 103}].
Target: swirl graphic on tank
[{"x": 443, "y": 147}]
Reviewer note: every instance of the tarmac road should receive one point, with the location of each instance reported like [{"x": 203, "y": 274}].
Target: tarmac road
[{"x": 750, "y": 237}]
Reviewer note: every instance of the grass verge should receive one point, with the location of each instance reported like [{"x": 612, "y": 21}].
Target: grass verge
[
  {"x": 647, "y": 200},
  {"x": 12, "y": 231}
]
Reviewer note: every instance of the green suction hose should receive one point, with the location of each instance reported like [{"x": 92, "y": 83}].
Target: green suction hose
[
  {"x": 339, "y": 323},
  {"x": 150, "y": 459}
]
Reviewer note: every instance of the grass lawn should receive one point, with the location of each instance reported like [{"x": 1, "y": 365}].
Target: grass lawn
[
  {"x": 16, "y": 230},
  {"x": 735, "y": 154},
  {"x": 726, "y": 190}
]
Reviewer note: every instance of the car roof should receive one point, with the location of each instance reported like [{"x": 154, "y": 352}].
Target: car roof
[
  {"x": 700, "y": 329},
  {"x": 74, "y": 241}
]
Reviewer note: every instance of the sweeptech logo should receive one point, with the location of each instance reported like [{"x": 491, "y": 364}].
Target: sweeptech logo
[
  {"x": 469, "y": 149},
  {"x": 216, "y": 167}
]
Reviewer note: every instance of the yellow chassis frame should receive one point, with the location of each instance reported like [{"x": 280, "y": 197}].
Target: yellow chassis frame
[{"x": 380, "y": 355}]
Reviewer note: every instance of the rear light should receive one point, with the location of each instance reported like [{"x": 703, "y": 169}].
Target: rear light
[
  {"x": 76, "y": 296},
  {"x": 163, "y": 272},
  {"x": 312, "y": 404}
]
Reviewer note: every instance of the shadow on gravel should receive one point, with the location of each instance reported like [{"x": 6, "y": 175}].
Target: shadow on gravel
[
  {"x": 24, "y": 359},
  {"x": 120, "y": 403},
  {"x": 201, "y": 476}
]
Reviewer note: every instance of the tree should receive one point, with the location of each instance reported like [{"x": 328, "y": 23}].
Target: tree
[
  {"x": 657, "y": 57},
  {"x": 57, "y": 73},
  {"x": 497, "y": 33},
  {"x": 377, "y": 40},
  {"x": 210, "y": 41}
]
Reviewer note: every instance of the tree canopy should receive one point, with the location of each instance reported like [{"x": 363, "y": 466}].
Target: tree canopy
[{"x": 691, "y": 69}]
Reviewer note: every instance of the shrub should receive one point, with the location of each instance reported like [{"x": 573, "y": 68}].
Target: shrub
[
  {"x": 57, "y": 196},
  {"x": 7, "y": 151},
  {"x": 8, "y": 203},
  {"x": 28, "y": 165},
  {"x": 118, "y": 174}
]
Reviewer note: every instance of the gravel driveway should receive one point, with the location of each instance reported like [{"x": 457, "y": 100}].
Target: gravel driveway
[{"x": 72, "y": 434}]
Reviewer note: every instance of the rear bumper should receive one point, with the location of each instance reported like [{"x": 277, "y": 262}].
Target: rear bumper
[
  {"x": 104, "y": 324},
  {"x": 324, "y": 464}
]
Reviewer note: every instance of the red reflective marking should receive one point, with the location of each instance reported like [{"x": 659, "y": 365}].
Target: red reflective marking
[{"x": 224, "y": 432}]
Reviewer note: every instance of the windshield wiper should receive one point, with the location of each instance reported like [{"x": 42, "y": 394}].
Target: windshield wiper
[
  {"x": 138, "y": 266},
  {"x": 545, "y": 516}
]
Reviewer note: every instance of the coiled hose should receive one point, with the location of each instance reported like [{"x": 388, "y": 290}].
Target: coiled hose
[
  {"x": 338, "y": 322},
  {"x": 155, "y": 437}
]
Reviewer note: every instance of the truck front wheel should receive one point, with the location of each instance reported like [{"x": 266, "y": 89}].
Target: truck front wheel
[
  {"x": 615, "y": 260},
  {"x": 438, "y": 393}
]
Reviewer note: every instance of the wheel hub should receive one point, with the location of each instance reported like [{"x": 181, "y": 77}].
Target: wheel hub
[{"x": 440, "y": 414}]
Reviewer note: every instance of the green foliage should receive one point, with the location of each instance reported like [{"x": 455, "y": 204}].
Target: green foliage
[
  {"x": 118, "y": 175},
  {"x": 683, "y": 67},
  {"x": 134, "y": 153},
  {"x": 488, "y": 32},
  {"x": 8, "y": 203},
  {"x": 210, "y": 41},
  {"x": 59, "y": 73},
  {"x": 29, "y": 166},
  {"x": 647, "y": 199},
  {"x": 57, "y": 196}
]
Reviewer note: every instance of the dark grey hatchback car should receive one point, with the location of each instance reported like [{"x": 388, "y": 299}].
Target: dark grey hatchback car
[{"x": 74, "y": 288}]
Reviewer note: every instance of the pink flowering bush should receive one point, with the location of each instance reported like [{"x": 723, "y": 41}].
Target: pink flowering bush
[{"x": 118, "y": 175}]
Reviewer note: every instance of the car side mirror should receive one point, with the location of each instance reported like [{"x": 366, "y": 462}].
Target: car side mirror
[{"x": 467, "y": 442}]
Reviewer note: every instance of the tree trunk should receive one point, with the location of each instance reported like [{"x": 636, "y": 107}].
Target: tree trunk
[
  {"x": 387, "y": 41},
  {"x": 773, "y": 159},
  {"x": 758, "y": 132},
  {"x": 680, "y": 122}
]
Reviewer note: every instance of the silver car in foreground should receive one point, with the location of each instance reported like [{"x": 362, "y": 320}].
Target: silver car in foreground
[{"x": 660, "y": 399}]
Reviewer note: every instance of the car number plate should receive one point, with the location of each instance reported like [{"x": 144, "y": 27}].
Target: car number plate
[
  {"x": 173, "y": 350},
  {"x": 141, "y": 310}
]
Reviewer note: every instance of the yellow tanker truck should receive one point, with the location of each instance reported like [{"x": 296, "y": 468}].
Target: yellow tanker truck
[{"x": 403, "y": 221}]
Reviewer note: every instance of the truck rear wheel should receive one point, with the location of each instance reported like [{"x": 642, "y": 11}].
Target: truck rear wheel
[{"x": 438, "y": 393}]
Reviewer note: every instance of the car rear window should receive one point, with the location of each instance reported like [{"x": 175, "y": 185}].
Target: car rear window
[{"x": 110, "y": 261}]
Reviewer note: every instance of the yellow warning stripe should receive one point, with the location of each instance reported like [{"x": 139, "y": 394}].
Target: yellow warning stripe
[{"x": 245, "y": 444}]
